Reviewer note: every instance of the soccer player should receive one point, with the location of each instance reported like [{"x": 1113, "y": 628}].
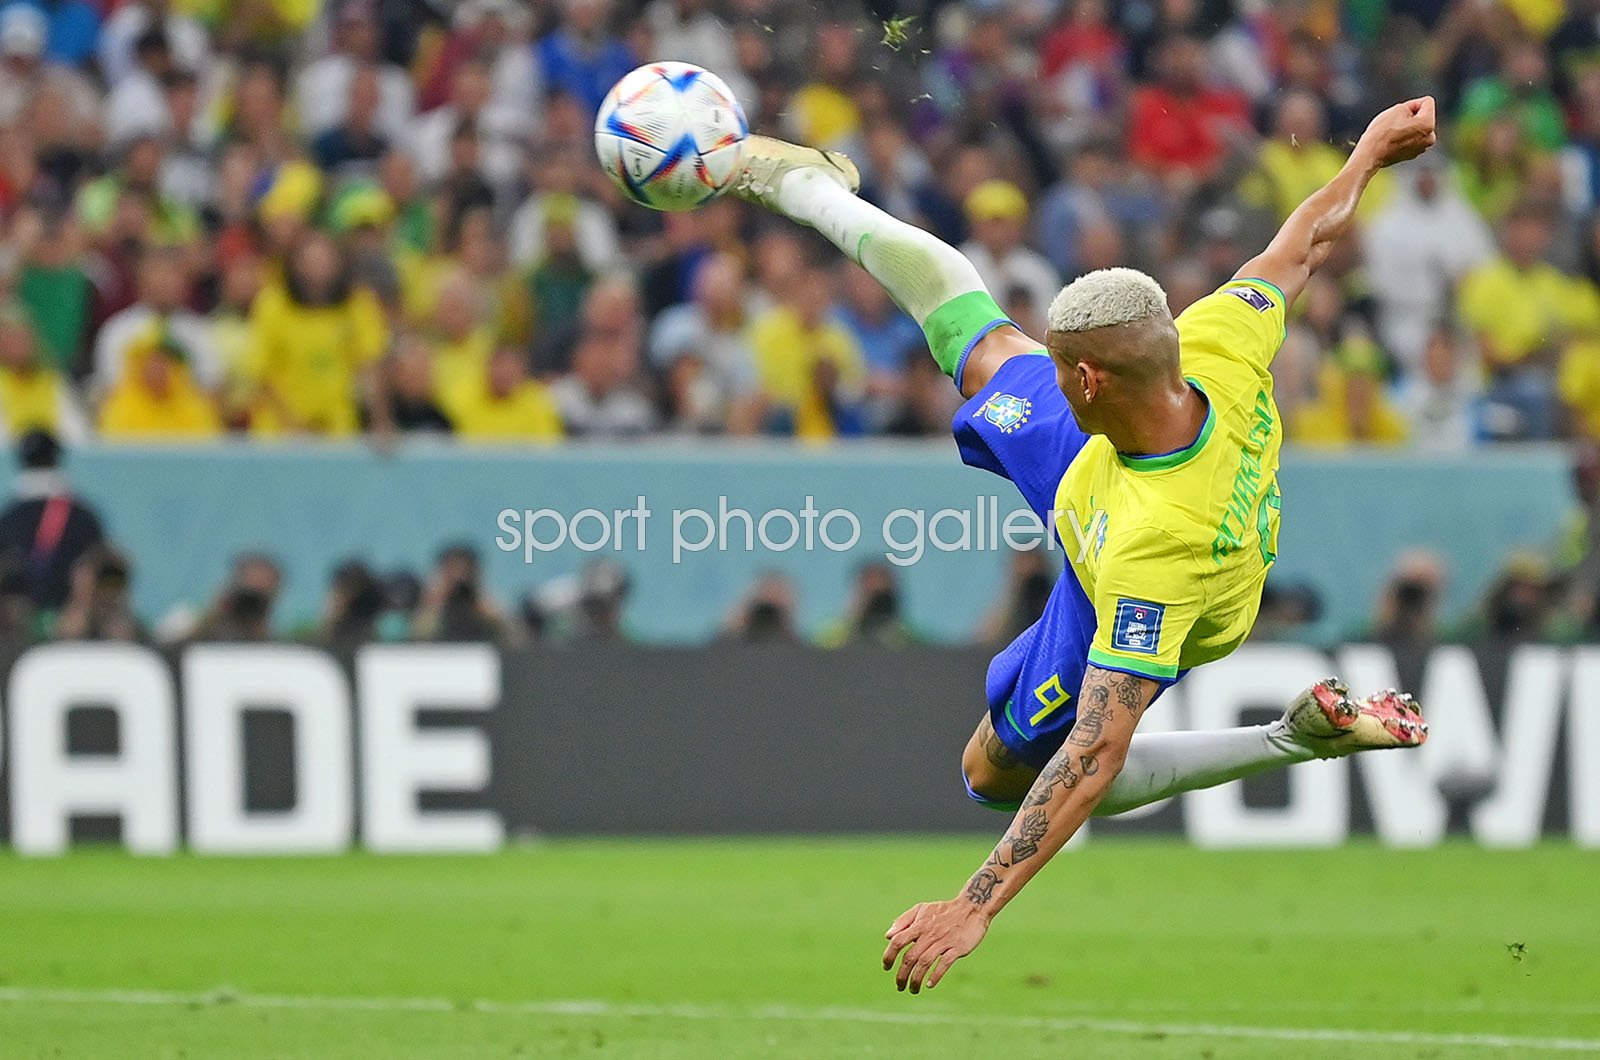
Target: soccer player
[{"x": 1152, "y": 445}]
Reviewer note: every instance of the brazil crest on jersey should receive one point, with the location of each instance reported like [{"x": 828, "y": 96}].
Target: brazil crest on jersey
[{"x": 1180, "y": 543}]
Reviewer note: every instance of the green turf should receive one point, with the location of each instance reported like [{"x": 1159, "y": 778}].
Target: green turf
[{"x": 709, "y": 949}]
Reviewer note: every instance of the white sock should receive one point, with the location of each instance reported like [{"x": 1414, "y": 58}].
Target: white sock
[
  {"x": 1163, "y": 764},
  {"x": 920, "y": 272}
]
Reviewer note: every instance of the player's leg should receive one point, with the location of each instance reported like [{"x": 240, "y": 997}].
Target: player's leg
[
  {"x": 968, "y": 334},
  {"x": 1323, "y": 722}
]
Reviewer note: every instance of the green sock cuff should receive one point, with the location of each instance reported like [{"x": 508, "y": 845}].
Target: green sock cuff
[{"x": 957, "y": 325}]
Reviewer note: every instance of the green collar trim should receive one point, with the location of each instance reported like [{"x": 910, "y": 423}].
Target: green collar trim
[{"x": 1165, "y": 461}]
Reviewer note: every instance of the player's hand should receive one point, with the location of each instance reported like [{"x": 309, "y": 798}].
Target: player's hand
[
  {"x": 1402, "y": 132},
  {"x": 933, "y": 936}
]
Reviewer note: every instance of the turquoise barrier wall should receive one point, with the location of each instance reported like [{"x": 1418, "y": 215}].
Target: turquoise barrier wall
[{"x": 182, "y": 513}]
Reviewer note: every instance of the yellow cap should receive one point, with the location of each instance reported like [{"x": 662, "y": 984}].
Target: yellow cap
[
  {"x": 362, "y": 205},
  {"x": 294, "y": 192},
  {"x": 997, "y": 200}
]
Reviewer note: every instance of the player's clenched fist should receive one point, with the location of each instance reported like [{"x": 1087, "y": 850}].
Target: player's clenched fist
[
  {"x": 1400, "y": 133},
  {"x": 933, "y": 936}
]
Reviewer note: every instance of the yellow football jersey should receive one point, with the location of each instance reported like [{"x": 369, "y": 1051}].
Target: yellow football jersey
[{"x": 1177, "y": 545}]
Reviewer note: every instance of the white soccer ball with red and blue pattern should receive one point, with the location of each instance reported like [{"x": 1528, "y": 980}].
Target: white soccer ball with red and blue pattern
[{"x": 671, "y": 135}]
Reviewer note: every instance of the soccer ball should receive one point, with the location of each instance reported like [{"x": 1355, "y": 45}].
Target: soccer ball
[{"x": 671, "y": 135}]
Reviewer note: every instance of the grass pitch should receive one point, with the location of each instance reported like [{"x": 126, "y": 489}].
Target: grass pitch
[{"x": 769, "y": 948}]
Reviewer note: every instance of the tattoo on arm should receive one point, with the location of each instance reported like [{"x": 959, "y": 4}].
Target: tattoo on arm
[
  {"x": 1092, "y": 716},
  {"x": 981, "y": 887},
  {"x": 1129, "y": 695},
  {"x": 999, "y": 754},
  {"x": 1032, "y": 829}
]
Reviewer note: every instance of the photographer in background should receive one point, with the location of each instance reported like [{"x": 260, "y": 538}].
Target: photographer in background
[
  {"x": 1408, "y": 611},
  {"x": 98, "y": 607},
  {"x": 45, "y": 529},
  {"x": 242, "y": 611},
  {"x": 356, "y": 601},
  {"x": 454, "y": 606}
]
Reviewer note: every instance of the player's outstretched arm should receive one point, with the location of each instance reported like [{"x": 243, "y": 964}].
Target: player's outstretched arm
[
  {"x": 1402, "y": 132},
  {"x": 930, "y": 937}
]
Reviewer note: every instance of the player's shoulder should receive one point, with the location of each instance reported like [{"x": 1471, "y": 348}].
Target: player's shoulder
[
  {"x": 1242, "y": 323},
  {"x": 1242, "y": 304}
]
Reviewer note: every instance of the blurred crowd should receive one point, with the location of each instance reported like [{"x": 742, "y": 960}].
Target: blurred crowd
[
  {"x": 62, "y": 578},
  {"x": 297, "y": 217}
]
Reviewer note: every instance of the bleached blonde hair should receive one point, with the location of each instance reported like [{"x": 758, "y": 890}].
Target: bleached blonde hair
[{"x": 1105, "y": 298}]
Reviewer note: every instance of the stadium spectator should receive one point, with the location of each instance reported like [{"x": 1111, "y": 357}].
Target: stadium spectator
[
  {"x": 885, "y": 334},
  {"x": 326, "y": 91},
  {"x": 27, "y": 75},
  {"x": 602, "y": 396},
  {"x": 689, "y": 31},
  {"x": 1408, "y": 608},
  {"x": 159, "y": 320},
  {"x": 316, "y": 340},
  {"x": 544, "y": 299},
  {"x": 187, "y": 38},
  {"x": 98, "y": 606},
  {"x": 703, "y": 352},
  {"x": 823, "y": 110},
  {"x": 1523, "y": 312},
  {"x": 766, "y": 613},
  {"x": 1296, "y": 160},
  {"x": 462, "y": 339},
  {"x": 54, "y": 284},
  {"x": 1351, "y": 407},
  {"x": 45, "y": 527},
  {"x": 34, "y": 396},
  {"x": 72, "y": 28},
  {"x": 1520, "y": 92},
  {"x": 580, "y": 57},
  {"x": 454, "y": 605},
  {"x": 136, "y": 105},
  {"x": 186, "y": 175},
  {"x": 1440, "y": 402},
  {"x": 997, "y": 212},
  {"x": 496, "y": 31},
  {"x": 498, "y": 131},
  {"x": 1493, "y": 169},
  {"x": 157, "y": 399},
  {"x": 1418, "y": 247},
  {"x": 1179, "y": 126},
  {"x": 507, "y": 406},
  {"x": 811, "y": 371},
  {"x": 355, "y": 145},
  {"x": 558, "y": 198},
  {"x": 413, "y": 389}
]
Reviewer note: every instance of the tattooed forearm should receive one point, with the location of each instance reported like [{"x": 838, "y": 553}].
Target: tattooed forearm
[
  {"x": 1057, "y": 771},
  {"x": 1032, "y": 828},
  {"x": 1130, "y": 696},
  {"x": 1091, "y": 723},
  {"x": 981, "y": 887}
]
